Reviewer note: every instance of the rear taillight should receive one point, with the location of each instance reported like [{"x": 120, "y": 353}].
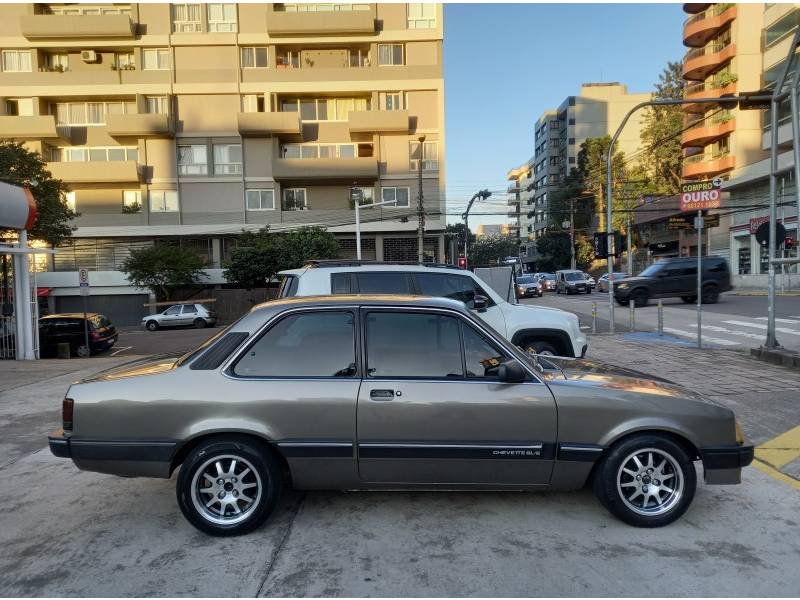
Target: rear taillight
[
  {"x": 94, "y": 336},
  {"x": 66, "y": 413}
]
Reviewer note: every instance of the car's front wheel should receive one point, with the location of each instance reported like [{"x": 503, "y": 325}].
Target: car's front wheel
[
  {"x": 151, "y": 325},
  {"x": 646, "y": 480},
  {"x": 228, "y": 486}
]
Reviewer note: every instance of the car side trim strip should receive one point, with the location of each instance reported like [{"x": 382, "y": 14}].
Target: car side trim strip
[
  {"x": 144, "y": 450},
  {"x": 580, "y": 452},
  {"x": 494, "y": 450}
]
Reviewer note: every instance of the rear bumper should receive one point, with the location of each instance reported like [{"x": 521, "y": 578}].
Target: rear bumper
[{"x": 723, "y": 464}]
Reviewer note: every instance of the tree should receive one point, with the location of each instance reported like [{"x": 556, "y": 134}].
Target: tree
[
  {"x": 19, "y": 166},
  {"x": 570, "y": 201},
  {"x": 592, "y": 169},
  {"x": 553, "y": 248},
  {"x": 259, "y": 255},
  {"x": 163, "y": 267},
  {"x": 660, "y": 164},
  {"x": 456, "y": 231},
  {"x": 492, "y": 249}
]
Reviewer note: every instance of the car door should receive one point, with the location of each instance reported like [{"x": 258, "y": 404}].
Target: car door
[
  {"x": 300, "y": 380},
  {"x": 188, "y": 314},
  {"x": 429, "y": 413},
  {"x": 171, "y": 316},
  {"x": 464, "y": 289}
]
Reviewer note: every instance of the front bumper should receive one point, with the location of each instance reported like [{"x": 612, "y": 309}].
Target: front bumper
[{"x": 723, "y": 464}]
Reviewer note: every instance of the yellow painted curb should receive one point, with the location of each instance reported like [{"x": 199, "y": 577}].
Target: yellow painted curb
[
  {"x": 775, "y": 474},
  {"x": 781, "y": 450}
]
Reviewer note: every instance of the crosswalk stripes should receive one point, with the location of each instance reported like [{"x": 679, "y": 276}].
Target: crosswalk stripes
[
  {"x": 777, "y": 320},
  {"x": 763, "y": 326},
  {"x": 705, "y": 338},
  {"x": 718, "y": 329}
]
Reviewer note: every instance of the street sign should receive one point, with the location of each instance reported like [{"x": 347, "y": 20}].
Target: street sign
[
  {"x": 83, "y": 281},
  {"x": 701, "y": 195},
  {"x": 356, "y": 195}
]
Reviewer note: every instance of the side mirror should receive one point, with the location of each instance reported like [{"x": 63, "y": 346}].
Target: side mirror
[
  {"x": 511, "y": 372},
  {"x": 480, "y": 303}
]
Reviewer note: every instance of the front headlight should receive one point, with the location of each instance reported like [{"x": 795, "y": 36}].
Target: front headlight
[
  {"x": 622, "y": 286},
  {"x": 739, "y": 432}
]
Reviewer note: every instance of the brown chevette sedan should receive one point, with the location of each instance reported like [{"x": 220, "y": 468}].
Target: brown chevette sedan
[{"x": 392, "y": 392}]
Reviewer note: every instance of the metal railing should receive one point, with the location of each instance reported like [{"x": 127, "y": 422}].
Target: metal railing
[
  {"x": 706, "y": 50},
  {"x": 709, "y": 13}
]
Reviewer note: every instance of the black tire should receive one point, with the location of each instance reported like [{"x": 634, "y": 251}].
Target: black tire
[
  {"x": 264, "y": 471},
  {"x": 152, "y": 326},
  {"x": 710, "y": 294},
  {"x": 609, "y": 479},
  {"x": 640, "y": 297},
  {"x": 589, "y": 291},
  {"x": 558, "y": 290},
  {"x": 199, "y": 323},
  {"x": 83, "y": 351},
  {"x": 689, "y": 299},
  {"x": 540, "y": 347}
]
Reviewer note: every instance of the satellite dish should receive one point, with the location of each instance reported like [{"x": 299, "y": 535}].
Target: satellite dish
[{"x": 762, "y": 234}]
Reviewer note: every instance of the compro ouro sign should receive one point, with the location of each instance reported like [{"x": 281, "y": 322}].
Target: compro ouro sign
[
  {"x": 17, "y": 207},
  {"x": 700, "y": 195}
]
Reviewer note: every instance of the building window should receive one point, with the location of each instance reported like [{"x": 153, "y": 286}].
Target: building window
[
  {"x": 327, "y": 7},
  {"x": 156, "y": 105},
  {"x": 294, "y": 199},
  {"x": 163, "y": 201},
  {"x": 367, "y": 196},
  {"x": 88, "y": 9},
  {"x": 89, "y": 113},
  {"x": 390, "y": 54},
  {"x": 69, "y": 197},
  {"x": 227, "y": 159},
  {"x": 155, "y": 58},
  {"x": 358, "y": 57},
  {"x": 58, "y": 61},
  {"x": 324, "y": 109},
  {"x": 253, "y": 103},
  {"x": 324, "y": 150},
  {"x": 124, "y": 61},
  {"x": 260, "y": 200},
  {"x": 131, "y": 201},
  {"x": 421, "y": 15},
  {"x": 254, "y": 58},
  {"x": 288, "y": 59},
  {"x": 187, "y": 18},
  {"x": 193, "y": 159},
  {"x": 781, "y": 28},
  {"x": 430, "y": 156},
  {"x": 16, "y": 61},
  {"x": 19, "y": 107},
  {"x": 398, "y": 195},
  {"x": 96, "y": 154},
  {"x": 222, "y": 18},
  {"x": 392, "y": 100}
]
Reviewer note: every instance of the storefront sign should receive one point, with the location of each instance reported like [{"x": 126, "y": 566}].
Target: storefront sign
[
  {"x": 756, "y": 222},
  {"x": 700, "y": 195},
  {"x": 684, "y": 222}
]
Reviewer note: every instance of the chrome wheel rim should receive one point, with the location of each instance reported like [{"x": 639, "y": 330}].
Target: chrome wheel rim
[
  {"x": 226, "y": 489},
  {"x": 650, "y": 482}
]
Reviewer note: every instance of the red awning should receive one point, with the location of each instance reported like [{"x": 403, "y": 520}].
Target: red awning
[{"x": 43, "y": 292}]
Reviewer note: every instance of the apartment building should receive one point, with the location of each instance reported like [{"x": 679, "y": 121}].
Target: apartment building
[
  {"x": 558, "y": 134},
  {"x": 490, "y": 229},
  {"x": 752, "y": 45},
  {"x": 190, "y": 122},
  {"x": 518, "y": 196}
]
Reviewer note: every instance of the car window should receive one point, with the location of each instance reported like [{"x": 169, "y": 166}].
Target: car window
[
  {"x": 314, "y": 344},
  {"x": 173, "y": 310},
  {"x": 189, "y": 308},
  {"x": 480, "y": 354},
  {"x": 383, "y": 283},
  {"x": 651, "y": 271},
  {"x": 288, "y": 287},
  {"x": 413, "y": 345},
  {"x": 717, "y": 266},
  {"x": 526, "y": 279},
  {"x": 573, "y": 276},
  {"x": 341, "y": 283}
]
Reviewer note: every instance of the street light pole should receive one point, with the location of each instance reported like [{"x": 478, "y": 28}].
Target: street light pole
[
  {"x": 572, "y": 233},
  {"x": 483, "y": 195},
  {"x": 358, "y": 208}
]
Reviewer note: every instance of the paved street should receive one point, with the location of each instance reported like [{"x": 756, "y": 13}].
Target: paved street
[
  {"x": 736, "y": 322},
  {"x": 140, "y": 342},
  {"x": 75, "y": 533}
]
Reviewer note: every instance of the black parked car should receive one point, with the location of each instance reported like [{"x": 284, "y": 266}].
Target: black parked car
[
  {"x": 675, "y": 278},
  {"x": 68, "y": 328}
]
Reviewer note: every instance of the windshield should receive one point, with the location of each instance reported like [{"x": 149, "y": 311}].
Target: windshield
[
  {"x": 549, "y": 276},
  {"x": 573, "y": 276},
  {"x": 650, "y": 271},
  {"x": 526, "y": 279}
]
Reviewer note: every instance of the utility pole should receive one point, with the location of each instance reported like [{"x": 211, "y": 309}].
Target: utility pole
[
  {"x": 628, "y": 237},
  {"x": 572, "y": 233},
  {"x": 482, "y": 195},
  {"x": 420, "y": 207}
]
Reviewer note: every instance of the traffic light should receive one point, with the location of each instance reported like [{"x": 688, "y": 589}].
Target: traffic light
[
  {"x": 462, "y": 262},
  {"x": 619, "y": 243},
  {"x": 747, "y": 100},
  {"x": 601, "y": 244}
]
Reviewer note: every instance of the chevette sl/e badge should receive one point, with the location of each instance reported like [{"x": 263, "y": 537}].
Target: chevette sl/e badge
[{"x": 516, "y": 452}]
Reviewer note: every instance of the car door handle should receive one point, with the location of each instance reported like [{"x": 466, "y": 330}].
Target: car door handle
[{"x": 381, "y": 395}]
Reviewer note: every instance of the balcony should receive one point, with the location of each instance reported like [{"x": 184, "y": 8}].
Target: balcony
[
  {"x": 695, "y": 7},
  {"x": 700, "y": 62},
  {"x": 378, "y": 121},
  {"x": 513, "y": 200},
  {"x": 707, "y": 165},
  {"x": 323, "y": 22},
  {"x": 36, "y": 127},
  {"x": 700, "y": 28},
  {"x": 39, "y": 27},
  {"x": 325, "y": 168},
  {"x": 706, "y": 89},
  {"x": 705, "y": 131},
  {"x": 140, "y": 125},
  {"x": 122, "y": 171},
  {"x": 269, "y": 123}
]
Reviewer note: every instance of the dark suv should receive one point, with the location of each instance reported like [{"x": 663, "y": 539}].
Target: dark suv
[
  {"x": 675, "y": 278},
  {"x": 68, "y": 328}
]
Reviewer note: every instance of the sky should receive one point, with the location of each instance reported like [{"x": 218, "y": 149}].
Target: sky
[{"x": 505, "y": 64}]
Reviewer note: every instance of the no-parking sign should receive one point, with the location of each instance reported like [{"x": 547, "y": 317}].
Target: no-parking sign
[{"x": 700, "y": 195}]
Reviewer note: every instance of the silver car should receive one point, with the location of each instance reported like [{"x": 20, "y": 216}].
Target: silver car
[
  {"x": 390, "y": 392},
  {"x": 195, "y": 315}
]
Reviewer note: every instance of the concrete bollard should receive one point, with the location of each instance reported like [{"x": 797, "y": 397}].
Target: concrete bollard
[
  {"x": 632, "y": 321},
  {"x": 660, "y": 317},
  {"x": 594, "y": 317}
]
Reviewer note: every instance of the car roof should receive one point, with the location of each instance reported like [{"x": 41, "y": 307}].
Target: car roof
[
  {"x": 71, "y": 316},
  {"x": 372, "y": 266}
]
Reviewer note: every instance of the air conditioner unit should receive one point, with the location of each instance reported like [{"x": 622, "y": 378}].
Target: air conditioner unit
[{"x": 89, "y": 56}]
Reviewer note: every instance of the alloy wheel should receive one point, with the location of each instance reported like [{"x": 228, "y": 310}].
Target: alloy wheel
[
  {"x": 225, "y": 489},
  {"x": 650, "y": 482}
]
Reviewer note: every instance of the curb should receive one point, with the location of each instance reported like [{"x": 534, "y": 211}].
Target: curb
[
  {"x": 761, "y": 293},
  {"x": 783, "y": 358}
]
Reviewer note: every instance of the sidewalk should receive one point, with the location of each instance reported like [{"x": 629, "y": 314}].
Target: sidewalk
[{"x": 764, "y": 396}]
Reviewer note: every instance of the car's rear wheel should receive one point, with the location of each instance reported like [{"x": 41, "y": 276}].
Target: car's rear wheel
[
  {"x": 199, "y": 323},
  {"x": 83, "y": 351},
  {"x": 710, "y": 294},
  {"x": 151, "y": 325},
  {"x": 646, "y": 480},
  {"x": 228, "y": 486}
]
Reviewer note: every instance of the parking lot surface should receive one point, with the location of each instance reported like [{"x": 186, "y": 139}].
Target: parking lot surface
[{"x": 74, "y": 533}]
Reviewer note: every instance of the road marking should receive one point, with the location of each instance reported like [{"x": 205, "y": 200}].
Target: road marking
[
  {"x": 781, "y": 450},
  {"x": 762, "y": 326},
  {"x": 755, "y": 336},
  {"x": 775, "y": 474},
  {"x": 120, "y": 350},
  {"x": 790, "y": 321},
  {"x": 693, "y": 335}
]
